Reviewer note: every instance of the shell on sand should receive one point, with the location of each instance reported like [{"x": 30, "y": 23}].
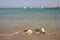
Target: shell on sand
[
  {"x": 43, "y": 30},
  {"x": 29, "y": 32}
]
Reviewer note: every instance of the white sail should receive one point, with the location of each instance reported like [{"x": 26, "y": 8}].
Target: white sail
[
  {"x": 31, "y": 7},
  {"x": 24, "y": 7},
  {"x": 42, "y": 7}
]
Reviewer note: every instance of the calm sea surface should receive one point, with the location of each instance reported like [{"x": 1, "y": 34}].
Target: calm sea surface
[{"x": 34, "y": 14}]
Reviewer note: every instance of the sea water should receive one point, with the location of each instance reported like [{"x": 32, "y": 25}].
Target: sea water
[{"x": 34, "y": 14}]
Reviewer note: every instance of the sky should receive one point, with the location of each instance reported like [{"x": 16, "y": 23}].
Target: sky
[{"x": 28, "y": 3}]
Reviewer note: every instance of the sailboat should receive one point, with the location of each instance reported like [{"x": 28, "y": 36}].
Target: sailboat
[
  {"x": 31, "y": 7},
  {"x": 24, "y": 7},
  {"x": 42, "y": 7}
]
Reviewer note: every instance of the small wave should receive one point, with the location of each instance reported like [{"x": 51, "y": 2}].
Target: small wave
[{"x": 11, "y": 33}]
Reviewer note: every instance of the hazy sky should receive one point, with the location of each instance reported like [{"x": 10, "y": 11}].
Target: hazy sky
[{"x": 29, "y": 3}]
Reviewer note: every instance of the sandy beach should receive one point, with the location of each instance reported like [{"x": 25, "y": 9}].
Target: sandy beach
[{"x": 8, "y": 31}]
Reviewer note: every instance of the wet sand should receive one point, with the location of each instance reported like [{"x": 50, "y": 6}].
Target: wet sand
[{"x": 9, "y": 29}]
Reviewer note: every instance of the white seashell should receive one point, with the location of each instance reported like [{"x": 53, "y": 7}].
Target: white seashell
[
  {"x": 43, "y": 30},
  {"x": 29, "y": 32}
]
